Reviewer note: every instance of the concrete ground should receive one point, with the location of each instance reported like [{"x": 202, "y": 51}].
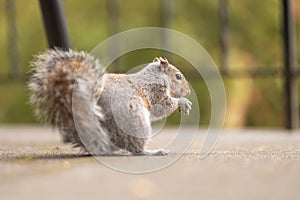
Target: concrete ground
[{"x": 245, "y": 164}]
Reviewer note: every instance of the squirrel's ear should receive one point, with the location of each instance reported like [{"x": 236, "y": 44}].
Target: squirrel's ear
[
  {"x": 164, "y": 62},
  {"x": 156, "y": 59}
]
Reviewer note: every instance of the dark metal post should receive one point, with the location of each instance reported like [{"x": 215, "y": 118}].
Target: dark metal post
[
  {"x": 166, "y": 17},
  {"x": 55, "y": 23},
  {"x": 113, "y": 26},
  {"x": 224, "y": 35},
  {"x": 291, "y": 89},
  {"x": 114, "y": 15},
  {"x": 13, "y": 48}
]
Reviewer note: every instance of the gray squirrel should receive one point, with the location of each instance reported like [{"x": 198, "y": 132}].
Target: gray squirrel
[{"x": 124, "y": 105}]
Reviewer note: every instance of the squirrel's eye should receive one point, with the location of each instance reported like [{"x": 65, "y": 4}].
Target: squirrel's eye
[{"x": 178, "y": 76}]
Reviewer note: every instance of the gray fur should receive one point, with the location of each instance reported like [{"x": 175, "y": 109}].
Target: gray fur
[{"x": 123, "y": 105}]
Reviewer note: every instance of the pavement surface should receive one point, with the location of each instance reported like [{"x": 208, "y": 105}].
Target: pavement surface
[{"x": 245, "y": 164}]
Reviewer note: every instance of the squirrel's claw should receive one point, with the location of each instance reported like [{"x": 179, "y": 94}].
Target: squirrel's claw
[
  {"x": 184, "y": 105},
  {"x": 159, "y": 152}
]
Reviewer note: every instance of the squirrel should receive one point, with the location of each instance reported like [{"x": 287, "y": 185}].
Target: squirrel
[{"x": 124, "y": 105}]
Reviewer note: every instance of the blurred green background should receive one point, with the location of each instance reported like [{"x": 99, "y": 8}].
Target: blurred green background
[{"x": 255, "y": 42}]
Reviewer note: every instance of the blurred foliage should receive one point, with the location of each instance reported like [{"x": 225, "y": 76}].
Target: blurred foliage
[{"x": 255, "y": 42}]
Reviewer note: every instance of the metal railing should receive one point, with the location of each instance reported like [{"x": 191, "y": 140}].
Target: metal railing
[{"x": 57, "y": 35}]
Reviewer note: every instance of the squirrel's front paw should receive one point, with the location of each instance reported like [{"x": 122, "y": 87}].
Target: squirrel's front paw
[{"x": 184, "y": 105}]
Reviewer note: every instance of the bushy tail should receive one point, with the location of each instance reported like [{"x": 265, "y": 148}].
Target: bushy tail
[{"x": 52, "y": 84}]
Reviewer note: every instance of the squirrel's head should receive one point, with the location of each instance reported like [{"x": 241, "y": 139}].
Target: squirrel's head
[{"x": 178, "y": 84}]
